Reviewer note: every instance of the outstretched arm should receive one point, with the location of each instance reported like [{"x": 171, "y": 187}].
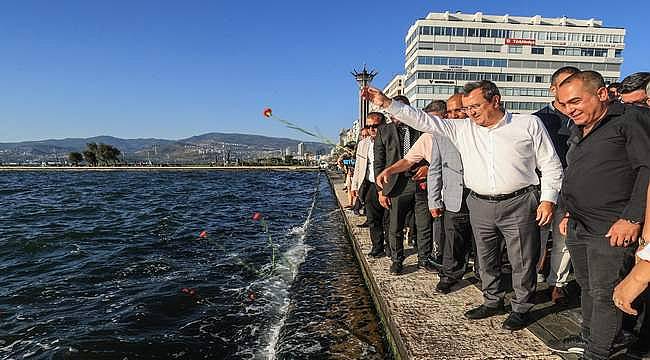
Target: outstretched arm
[{"x": 410, "y": 116}]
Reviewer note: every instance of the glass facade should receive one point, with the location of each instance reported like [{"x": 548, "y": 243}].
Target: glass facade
[{"x": 516, "y": 34}]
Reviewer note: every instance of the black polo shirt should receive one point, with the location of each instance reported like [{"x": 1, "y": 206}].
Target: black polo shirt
[{"x": 609, "y": 169}]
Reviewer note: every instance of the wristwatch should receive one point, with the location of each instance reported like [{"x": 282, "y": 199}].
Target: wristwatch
[{"x": 633, "y": 221}]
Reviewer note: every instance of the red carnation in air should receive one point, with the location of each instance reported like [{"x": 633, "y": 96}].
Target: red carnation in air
[
  {"x": 423, "y": 186},
  {"x": 257, "y": 216},
  {"x": 267, "y": 112}
]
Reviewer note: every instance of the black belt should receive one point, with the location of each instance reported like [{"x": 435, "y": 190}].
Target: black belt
[{"x": 501, "y": 197}]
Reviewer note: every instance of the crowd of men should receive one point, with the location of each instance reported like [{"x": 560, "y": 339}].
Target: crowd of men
[{"x": 470, "y": 179}]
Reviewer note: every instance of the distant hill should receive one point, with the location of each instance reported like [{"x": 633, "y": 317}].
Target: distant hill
[
  {"x": 78, "y": 144},
  {"x": 258, "y": 142},
  {"x": 189, "y": 149}
]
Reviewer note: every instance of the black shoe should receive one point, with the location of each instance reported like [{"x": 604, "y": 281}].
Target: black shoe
[
  {"x": 444, "y": 286},
  {"x": 427, "y": 266},
  {"x": 574, "y": 344},
  {"x": 516, "y": 321},
  {"x": 363, "y": 225},
  {"x": 483, "y": 312},
  {"x": 396, "y": 268}
]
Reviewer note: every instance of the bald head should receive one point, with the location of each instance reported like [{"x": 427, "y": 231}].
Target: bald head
[{"x": 455, "y": 107}]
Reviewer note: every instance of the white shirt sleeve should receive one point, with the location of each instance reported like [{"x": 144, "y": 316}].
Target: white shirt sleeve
[
  {"x": 547, "y": 161},
  {"x": 419, "y": 120},
  {"x": 644, "y": 253}
]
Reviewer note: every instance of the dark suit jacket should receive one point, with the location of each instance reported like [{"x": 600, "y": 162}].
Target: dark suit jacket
[
  {"x": 387, "y": 152},
  {"x": 558, "y": 127}
]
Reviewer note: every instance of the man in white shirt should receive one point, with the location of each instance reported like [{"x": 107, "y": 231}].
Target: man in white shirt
[{"x": 500, "y": 152}]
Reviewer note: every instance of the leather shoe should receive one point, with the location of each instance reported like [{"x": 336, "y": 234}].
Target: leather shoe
[
  {"x": 363, "y": 225},
  {"x": 483, "y": 312},
  {"x": 558, "y": 296},
  {"x": 516, "y": 321},
  {"x": 396, "y": 268},
  {"x": 428, "y": 267},
  {"x": 444, "y": 286}
]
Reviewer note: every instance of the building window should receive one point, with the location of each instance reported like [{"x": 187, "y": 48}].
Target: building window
[
  {"x": 618, "y": 53},
  {"x": 515, "y": 49},
  {"x": 456, "y": 61},
  {"x": 537, "y": 51},
  {"x": 600, "y": 52},
  {"x": 470, "y": 62}
]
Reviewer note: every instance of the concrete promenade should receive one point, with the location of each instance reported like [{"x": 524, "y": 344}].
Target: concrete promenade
[
  {"x": 156, "y": 168},
  {"x": 423, "y": 324}
]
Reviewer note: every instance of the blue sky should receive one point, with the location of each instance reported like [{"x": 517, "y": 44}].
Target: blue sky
[{"x": 173, "y": 69}]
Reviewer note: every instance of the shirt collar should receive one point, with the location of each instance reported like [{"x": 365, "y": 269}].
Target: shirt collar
[
  {"x": 506, "y": 119},
  {"x": 613, "y": 109}
]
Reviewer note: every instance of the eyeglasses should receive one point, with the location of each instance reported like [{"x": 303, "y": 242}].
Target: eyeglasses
[
  {"x": 474, "y": 106},
  {"x": 372, "y": 126}
]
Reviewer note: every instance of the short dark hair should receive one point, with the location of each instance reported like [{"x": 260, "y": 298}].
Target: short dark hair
[
  {"x": 590, "y": 79},
  {"x": 563, "y": 70},
  {"x": 615, "y": 85},
  {"x": 380, "y": 116},
  {"x": 403, "y": 99},
  {"x": 488, "y": 88},
  {"x": 636, "y": 81},
  {"x": 437, "y": 106}
]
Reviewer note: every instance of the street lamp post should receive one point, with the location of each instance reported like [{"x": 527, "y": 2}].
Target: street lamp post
[{"x": 363, "y": 78}]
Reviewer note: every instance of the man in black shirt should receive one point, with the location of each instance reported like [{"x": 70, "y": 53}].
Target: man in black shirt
[{"x": 604, "y": 192}]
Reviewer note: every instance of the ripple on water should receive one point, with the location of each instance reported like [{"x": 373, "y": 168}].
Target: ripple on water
[{"x": 94, "y": 266}]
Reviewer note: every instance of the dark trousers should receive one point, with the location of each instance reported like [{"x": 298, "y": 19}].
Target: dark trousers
[
  {"x": 375, "y": 218},
  {"x": 458, "y": 243},
  {"x": 598, "y": 268},
  {"x": 512, "y": 221},
  {"x": 408, "y": 197}
]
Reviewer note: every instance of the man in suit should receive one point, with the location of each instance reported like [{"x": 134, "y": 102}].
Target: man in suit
[
  {"x": 447, "y": 200},
  {"x": 364, "y": 177},
  {"x": 402, "y": 193}
]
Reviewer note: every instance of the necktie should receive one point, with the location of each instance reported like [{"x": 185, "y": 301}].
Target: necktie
[{"x": 406, "y": 134}]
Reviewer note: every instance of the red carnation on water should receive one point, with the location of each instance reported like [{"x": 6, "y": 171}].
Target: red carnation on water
[
  {"x": 257, "y": 216},
  {"x": 203, "y": 234},
  {"x": 267, "y": 112},
  {"x": 423, "y": 186},
  {"x": 188, "y": 291},
  {"x": 251, "y": 296}
]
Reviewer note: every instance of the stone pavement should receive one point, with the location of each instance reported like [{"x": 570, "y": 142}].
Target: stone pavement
[{"x": 423, "y": 324}]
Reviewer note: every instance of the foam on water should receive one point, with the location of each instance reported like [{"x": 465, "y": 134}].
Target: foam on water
[{"x": 296, "y": 256}]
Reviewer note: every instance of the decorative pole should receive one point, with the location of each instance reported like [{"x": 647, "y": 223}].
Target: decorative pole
[{"x": 363, "y": 79}]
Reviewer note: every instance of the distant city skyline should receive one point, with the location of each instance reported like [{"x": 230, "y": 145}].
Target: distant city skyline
[{"x": 170, "y": 70}]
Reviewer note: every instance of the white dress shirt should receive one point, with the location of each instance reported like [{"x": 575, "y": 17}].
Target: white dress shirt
[
  {"x": 371, "y": 161},
  {"x": 644, "y": 253},
  {"x": 497, "y": 160}
]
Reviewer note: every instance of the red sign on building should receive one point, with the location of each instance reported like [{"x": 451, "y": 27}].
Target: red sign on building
[{"x": 520, "y": 42}]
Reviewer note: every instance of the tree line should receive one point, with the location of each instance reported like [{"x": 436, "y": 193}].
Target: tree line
[{"x": 96, "y": 154}]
